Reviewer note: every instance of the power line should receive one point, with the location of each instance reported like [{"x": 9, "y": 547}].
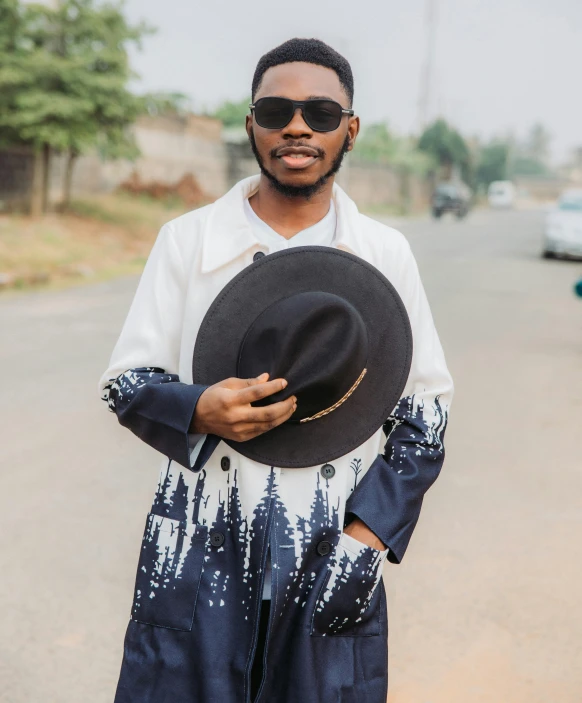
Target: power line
[{"x": 428, "y": 72}]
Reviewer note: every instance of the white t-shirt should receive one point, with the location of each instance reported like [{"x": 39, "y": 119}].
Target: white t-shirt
[{"x": 322, "y": 233}]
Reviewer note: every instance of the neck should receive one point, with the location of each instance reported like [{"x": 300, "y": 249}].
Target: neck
[{"x": 288, "y": 216}]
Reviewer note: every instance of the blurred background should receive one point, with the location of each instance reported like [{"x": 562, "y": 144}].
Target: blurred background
[{"x": 115, "y": 119}]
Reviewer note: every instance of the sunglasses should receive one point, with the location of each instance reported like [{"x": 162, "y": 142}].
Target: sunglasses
[{"x": 320, "y": 115}]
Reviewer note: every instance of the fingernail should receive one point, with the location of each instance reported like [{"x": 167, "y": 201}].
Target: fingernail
[
  {"x": 284, "y": 383},
  {"x": 263, "y": 377}
]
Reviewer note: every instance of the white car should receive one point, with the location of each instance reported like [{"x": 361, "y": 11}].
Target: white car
[
  {"x": 563, "y": 230},
  {"x": 501, "y": 194}
]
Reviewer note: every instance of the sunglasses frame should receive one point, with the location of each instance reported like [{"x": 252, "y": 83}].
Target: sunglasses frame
[{"x": 300, "y": 104}]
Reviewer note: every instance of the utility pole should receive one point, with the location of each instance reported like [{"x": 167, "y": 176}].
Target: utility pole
[{"x": 428, "y": 72}]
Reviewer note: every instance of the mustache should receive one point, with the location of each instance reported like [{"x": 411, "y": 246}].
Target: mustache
[{"x": 298, "y": 143}]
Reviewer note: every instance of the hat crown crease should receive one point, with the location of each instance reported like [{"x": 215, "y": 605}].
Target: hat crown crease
[{"x": 317, "y": 341}]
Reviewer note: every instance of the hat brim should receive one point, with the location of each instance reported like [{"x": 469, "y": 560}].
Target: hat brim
[{"x": 299, "y": 270}]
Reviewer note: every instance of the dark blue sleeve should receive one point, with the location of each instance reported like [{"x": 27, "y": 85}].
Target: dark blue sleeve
[
  {"x": 389, "y": 497},
  {"x": 158, "y": 408}
]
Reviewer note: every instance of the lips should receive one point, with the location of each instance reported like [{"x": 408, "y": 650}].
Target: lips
[{"x": 297, "y": 157}]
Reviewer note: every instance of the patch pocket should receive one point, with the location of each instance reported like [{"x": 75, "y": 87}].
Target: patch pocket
[
  {"x": 168, "y": 573},
  {"x": 349, "y": 601}
]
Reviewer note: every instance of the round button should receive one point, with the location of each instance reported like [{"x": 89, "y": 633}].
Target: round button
[
  {"x": 225, "y": 463},
  {"x": 327, "y": 471},
  {"x": 258, "y": 255},
  {"x": 323, "y": 548},
  {"x": 216, "y": 539}
]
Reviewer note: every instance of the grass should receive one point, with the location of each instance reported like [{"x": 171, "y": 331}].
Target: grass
[
  {"x": 132, "y": 212},
  {"x": 99, "y": 238}
]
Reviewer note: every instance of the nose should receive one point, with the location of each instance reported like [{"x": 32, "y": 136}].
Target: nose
[{"x": 297, "y": 128}]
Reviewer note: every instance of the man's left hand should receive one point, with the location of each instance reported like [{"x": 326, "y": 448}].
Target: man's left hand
[{"x": 360, "y": 531}]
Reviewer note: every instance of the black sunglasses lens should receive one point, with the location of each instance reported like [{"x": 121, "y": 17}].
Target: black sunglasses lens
[
  {"x": 323, "y": 115},
  {"x": 273, "y": 113}
]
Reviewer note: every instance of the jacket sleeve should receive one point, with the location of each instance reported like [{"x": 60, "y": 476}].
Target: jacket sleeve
[
  {"x": 141, "y": 385},
  {"x": 389, "y": 497}
]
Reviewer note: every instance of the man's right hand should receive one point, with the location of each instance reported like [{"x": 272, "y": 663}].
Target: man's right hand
[{"x": 225, "y": 409}]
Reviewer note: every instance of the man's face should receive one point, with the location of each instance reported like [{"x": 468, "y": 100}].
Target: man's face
[{"x": 316, "y": 155}]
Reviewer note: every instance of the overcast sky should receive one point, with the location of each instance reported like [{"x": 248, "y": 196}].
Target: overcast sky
[{"x": 500, "y": 64}]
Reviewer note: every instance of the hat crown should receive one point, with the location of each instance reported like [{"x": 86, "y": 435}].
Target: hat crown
[{"x": 316, "y": 341}]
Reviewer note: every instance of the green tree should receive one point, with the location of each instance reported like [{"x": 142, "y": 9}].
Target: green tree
[
  {"x": 10, "y": 24},
  {"x": 13, "y": 49},
  {"x": 232, "y": 114},
  {"x": 447, "y": 147},
  {"x": 528, "y": 166},
  {"x": 377, "y": 143},
  {"x": 493, "y": 163},
  {"x": 177, "y": 104},
  {"x": 66, "y": 81}
]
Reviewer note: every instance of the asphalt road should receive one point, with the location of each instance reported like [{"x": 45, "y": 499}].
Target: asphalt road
[{"x": 486, "y": 607}]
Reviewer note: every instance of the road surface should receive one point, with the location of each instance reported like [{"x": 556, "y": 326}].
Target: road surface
[{"x": 486, "y": 607}]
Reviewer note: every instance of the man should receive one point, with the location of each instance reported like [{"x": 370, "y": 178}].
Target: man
[{"x": 243, "y": 620}]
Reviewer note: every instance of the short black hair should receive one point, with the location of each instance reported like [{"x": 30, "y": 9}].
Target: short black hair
[{"x": 309, "y": 51}]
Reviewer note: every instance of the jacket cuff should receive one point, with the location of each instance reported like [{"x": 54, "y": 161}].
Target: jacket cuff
[
  {"x": 385, "y": 503},
  {"x": 160, "y": 414}
]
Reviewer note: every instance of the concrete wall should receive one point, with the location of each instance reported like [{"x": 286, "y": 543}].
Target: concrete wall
[
  {"x": 174, "y": 146},
  {"x": 374, "y": 185},
  {"x": 241, "y": 162},
  {"x": 170, "y": 148}
]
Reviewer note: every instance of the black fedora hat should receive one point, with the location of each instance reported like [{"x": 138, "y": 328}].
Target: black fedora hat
[{"x": 330, "y": 324}]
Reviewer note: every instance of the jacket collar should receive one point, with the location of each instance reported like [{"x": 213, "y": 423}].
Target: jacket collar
[{"x": 228, "y": 234}]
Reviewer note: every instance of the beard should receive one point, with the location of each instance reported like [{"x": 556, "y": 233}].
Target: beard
[{"x": 300, "y": 191}]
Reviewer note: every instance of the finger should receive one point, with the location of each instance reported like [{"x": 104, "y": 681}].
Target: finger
[
  {"x": 259, "y": 379},
  {"x": 270, "y": 413},
  {"x": 250, "y": 430},
  {"x": 261, "y": 390},
  {"x": 237, "y": 384}
]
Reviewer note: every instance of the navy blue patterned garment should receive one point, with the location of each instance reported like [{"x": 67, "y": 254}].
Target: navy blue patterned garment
[
  {"x": 199, "y": 581},
  {"x": 159, "y": 409},
  {"x": 389, "y": 498},
  {"x": 197, "y": 601}
]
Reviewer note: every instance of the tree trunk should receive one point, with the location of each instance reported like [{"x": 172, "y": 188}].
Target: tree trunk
[
  {"x": 68, "y": 180},
  {"x": 447, "y": 170},
  {"x": 46, "y": 159},
  {"x": 37, "y": 184}
]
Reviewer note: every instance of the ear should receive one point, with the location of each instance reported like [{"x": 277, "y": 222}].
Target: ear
[
  {"x": 249, "y": 124},
  {"x": 353, "y": 130}
]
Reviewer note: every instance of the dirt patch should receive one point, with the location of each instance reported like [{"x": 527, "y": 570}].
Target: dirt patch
[{"x": 187, "y": 189}]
